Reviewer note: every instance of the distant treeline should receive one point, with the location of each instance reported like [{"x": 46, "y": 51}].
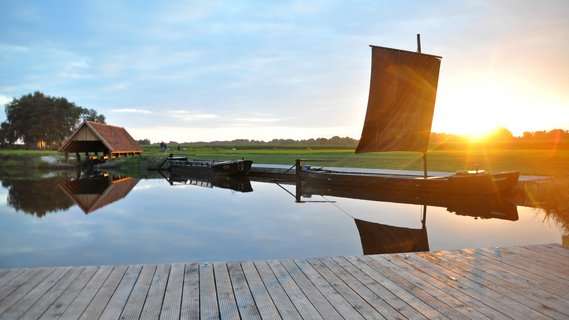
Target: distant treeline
[
  {"x": 334, "y": 141},
  {"x": 500, "y": 138}
]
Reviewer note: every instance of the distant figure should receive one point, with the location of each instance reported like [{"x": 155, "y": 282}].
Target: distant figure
[
  {"x": 163, "y": 147},
  {"x": 178, "y": 147}
]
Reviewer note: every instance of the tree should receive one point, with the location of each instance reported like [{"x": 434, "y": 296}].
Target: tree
[{"x": 39, "y": 120}]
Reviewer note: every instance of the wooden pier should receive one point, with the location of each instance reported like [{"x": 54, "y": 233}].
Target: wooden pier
[{"x": 529, "y": 282}]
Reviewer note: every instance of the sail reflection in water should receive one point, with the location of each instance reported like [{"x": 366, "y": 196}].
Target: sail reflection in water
[{"x": 380, "y": 238}]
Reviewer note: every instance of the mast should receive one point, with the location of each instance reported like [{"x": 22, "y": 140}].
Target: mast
[{"x": 425, "y": 152}]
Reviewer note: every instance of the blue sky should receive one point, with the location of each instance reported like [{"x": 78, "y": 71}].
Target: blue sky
[{"x": 221, "y": 70}]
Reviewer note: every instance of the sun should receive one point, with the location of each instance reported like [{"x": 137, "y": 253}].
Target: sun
[{"x": 476, "y": 110}]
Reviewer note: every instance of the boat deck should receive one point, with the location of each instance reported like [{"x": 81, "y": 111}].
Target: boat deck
[{"x": 526, "y": 282}]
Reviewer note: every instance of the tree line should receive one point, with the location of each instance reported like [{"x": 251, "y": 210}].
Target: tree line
[
  {"x": 438, "y": 140},
  {"x": 43, "y": 122}
]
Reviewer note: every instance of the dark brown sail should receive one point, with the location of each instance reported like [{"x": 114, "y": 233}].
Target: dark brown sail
[{"x": 401, "y": 101}]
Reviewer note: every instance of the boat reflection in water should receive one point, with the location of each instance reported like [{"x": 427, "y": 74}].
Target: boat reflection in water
[
  {"x": 377, "y": 238},
  {"x": 92, "y": 192},
  {"x": 204, "y": 179}
]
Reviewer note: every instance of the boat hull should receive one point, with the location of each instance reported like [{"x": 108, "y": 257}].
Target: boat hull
[
  {"x": 477, "y": 184},
  {"x": 212, "y": 168}
]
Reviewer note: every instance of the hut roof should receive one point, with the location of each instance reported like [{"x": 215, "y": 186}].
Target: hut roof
[{"x": 94, "y": 137}]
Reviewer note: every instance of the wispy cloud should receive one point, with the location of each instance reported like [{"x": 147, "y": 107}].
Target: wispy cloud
[
  {"x": 4, "y": 100},
  {"x": 131, "y": 110}
]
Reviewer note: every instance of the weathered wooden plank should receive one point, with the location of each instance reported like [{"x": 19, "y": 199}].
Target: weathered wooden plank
[
  {"x": 515, "y": 261},
  {"x": 359, "y": 304},
  {"x": 503, "y": 283},
  {"x": 392, "y": 294},
  {"x": 541, "y": 263},
  {"x": 263, "y": 301},
  {"x": 558, "y": 255},
  {"x": 75, "y": 310},
  {"x": 10, "y": 275},
  {"x": 553, "y": 248},
  {"x": 446, "y": 299},
  {"x": 324, "y": 307},
  {"x": 475, "y": 290},
  {"x": 20, "y": 280},
  {"x": 97, "y": 306},
  {"x": 243, "y": 296},
  {"x": 299, "y": 300},
  {"x": 21, "y": 306},
  {"x": 43, "y": 303},
  {"x": 226, "y": 299},
  {"x": 190, "y": 308},
  {"x": 286, "y": 308},
  {"x": 137, "y": 297},
  {"x": 506, "y": 265},
  {"x": 153, "y": 303},
  {"x": 23, "y": 289},
  {"x": 525, "y": 283},
  {"x": 4, "y": 272},
  {"x": 58, "y": 307},
  {"x": 171, "y": 306},
  {"x": 119, "y": 298},
  {"x": 209, "y": 308},
  {"x": 334, "y": 297},
  {"x": 363, "y": 291}
]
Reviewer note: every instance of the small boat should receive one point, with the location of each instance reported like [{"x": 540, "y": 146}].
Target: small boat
[
  {"x": 462, "y": 182},
  {"x": 401, "y": 105},
  {"x": 210, "y": 167}
]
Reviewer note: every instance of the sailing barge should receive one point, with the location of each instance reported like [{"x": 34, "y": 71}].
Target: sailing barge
[
  {"x": 481, "y": 183},
  {"x": 401, "y": 104},
  {"x": 182, "y": 165}
]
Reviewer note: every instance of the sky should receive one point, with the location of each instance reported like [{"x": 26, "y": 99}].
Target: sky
[{"x": 192, "y": 71}]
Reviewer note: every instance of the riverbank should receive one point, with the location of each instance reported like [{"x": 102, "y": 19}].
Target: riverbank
[{"x": 553, "y": 163}]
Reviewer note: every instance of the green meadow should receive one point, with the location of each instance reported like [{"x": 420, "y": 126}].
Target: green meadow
[{"x": 527, "y": 162}]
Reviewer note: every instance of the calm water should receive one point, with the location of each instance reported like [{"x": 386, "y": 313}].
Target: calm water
[{"x": 59, "y": 220}]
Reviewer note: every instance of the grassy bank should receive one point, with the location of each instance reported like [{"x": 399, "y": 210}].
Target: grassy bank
[{"x": 527, "y": 162}]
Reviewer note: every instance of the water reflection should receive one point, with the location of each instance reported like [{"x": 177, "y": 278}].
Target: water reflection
[
  {"x": 37, "y": 196},
  {"x": 237, "y": 183},
  {"x": 377, "y": 238},
  {"x": 93, "y": 191},
  {"x": 187, "y": 218}
]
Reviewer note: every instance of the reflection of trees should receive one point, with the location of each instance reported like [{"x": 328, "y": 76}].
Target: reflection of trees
[{"x": 36, "y": 196}]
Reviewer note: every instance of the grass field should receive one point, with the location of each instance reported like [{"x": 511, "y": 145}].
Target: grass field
[{"x": 527, "y": 162}]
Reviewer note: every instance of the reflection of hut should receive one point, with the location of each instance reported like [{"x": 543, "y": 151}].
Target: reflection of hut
[
  {"x": 98, "y": 138},
  {"x": 94, "y": 193},
  {"x": 379, "y": 238}
]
